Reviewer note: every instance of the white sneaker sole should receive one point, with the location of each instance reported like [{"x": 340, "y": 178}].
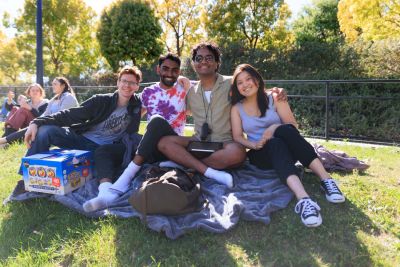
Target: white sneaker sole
[
  {"x": 316, "y": 224},
  {"x": 335, "y": 200}
]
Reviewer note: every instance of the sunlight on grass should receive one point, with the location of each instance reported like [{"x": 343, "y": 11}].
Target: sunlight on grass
[
  {"x": 101, "y": 243},
  {"x": 238, "y": 254},
  {"x": 363, "y": 231}
]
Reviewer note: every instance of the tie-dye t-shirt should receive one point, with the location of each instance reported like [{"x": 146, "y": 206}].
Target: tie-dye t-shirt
[{"x": 168, "y": 103}]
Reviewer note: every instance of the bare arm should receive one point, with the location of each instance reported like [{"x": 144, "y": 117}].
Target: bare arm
[
  {"x": 185, "y": 82},
  {"x": 237, "y": 129},
  {"x": 143, "y": 112},
  {"x": 284, "y": 112}
]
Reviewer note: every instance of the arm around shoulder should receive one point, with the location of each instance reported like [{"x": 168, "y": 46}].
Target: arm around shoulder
[
  {"x": 284, "y": 111},
  {"x": 185, "y": 82}
]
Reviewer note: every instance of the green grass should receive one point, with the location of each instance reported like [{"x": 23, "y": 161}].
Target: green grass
[{"x": 364, "y": 231}]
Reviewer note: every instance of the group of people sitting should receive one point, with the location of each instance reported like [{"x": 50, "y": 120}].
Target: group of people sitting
[
  {"x": 250, "y": 122},
  {"x": 34, "y": 104}
]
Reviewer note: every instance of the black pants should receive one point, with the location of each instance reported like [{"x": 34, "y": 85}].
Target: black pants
[
  {"x": 108, "y": 158},
  {"x": 8, "y": 131},
  {"x": 282, "y": 151},
  {"x": 17, "y": 136}
]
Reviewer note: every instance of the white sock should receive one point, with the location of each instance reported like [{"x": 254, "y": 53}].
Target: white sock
[
  {"x": 103, "y": 200},
  {"x": 220, "y": 176},
  {"x": 170, "y": 164},
  {"x": 123, "y": 182},
  {"x": 103, "y": 187}
]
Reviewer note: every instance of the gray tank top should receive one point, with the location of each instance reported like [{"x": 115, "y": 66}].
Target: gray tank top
[{"x": 254, "y": 126}]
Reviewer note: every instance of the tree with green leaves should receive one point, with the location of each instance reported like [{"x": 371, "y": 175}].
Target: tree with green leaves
[
  {"x": 182, "y": 21},
  {"x": 69, "y": 48},
  {"x": 10, "y": 60},
  {"x": 256, "y": 23},
  {"x": 318, "y": 50},
  {"x": 369, "y": 19},
  {"x": 318, "y": 22},
  {"x": 129, "y": 31}
]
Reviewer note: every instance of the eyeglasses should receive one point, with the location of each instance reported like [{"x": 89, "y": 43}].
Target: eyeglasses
[
  {"x": 208, "y": 58},
  {"x": 129, "y": 83}
]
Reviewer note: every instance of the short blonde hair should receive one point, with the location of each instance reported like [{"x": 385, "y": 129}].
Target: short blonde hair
[
  {"x": 132, "y": 70},
  {"x": 42, "y": 91}
]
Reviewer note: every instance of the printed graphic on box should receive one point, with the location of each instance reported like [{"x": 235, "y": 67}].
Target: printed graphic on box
[{"x": 57, "y": 171}]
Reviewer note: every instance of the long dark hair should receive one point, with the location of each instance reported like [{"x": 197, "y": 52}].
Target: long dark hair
[
  {"x": 67, "y": 87},
  {"x": 262, "y": 98}
]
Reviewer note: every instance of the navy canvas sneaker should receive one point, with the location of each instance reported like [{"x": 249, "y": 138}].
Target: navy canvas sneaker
[
  {"x": 332, "y": 191},
  {"x": 309, "y": 212}
]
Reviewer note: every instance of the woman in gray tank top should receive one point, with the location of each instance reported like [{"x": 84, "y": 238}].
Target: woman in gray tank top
[{"x": 274, "y": 141}]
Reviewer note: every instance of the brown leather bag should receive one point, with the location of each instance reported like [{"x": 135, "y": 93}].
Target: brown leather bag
[{"x": 167, "y": 191}]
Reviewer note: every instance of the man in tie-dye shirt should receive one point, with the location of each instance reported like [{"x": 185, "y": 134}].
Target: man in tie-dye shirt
[
  {"x": 164, "y": 103},
  {"x": 167, "y": 97}
]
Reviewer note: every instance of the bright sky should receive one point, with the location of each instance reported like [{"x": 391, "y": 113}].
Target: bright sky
[{"x": 13, "y": 8}]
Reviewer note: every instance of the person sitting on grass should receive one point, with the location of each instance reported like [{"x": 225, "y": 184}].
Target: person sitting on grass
[
  {"x": 8, "y": 104},
  {"x": 164, "y": 103},
  {"x": 64, "y": 98},
  {"x": 208, "y": 102},
  {"x": 102, "y": 119},
  {"x": 274, "y": 141},
  {"x": 28, "y": 109}
]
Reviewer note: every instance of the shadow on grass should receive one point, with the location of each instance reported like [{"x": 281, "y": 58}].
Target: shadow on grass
[
  {"x": 139, "y": 246},
  {"x": 37, "y": 229},
  {"x": 38, "y": 224},
  {"x": 284, "y": 242}
]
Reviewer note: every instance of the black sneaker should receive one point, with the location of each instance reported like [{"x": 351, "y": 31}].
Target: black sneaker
[
  {"x": 332, "y": 191},
  {"x": 309, "y": 212},
  {"x": 19, "y": 189}
]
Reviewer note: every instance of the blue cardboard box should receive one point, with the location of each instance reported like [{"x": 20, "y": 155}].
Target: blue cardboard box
[{"x": 57, "y": 171}]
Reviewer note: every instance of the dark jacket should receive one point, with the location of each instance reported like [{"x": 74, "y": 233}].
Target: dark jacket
[
  {"x": 41, "y": 109},
  {"x": 92, "y": 112}
]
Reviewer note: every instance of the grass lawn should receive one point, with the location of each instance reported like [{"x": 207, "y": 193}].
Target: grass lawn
[{"x": 364, "y": 231}]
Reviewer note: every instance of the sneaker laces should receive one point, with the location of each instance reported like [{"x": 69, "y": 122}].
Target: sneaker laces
[
  {"x": 307, "y": 207},
  {"x": 331, "y": 187}
]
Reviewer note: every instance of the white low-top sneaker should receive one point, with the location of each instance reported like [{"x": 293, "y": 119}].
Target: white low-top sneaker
[
  {"x": 332, "y": 191},
  {"x": 309, "y": 212}
]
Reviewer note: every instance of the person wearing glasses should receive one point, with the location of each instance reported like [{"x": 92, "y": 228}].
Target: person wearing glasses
[
  {"x": 209, "y": 103},
  {"x": 102, "y": 119},
  {"x": 164, "y": 104}
]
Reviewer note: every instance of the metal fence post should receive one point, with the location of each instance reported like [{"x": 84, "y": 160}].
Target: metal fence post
[{"x": 327, "y": 111}]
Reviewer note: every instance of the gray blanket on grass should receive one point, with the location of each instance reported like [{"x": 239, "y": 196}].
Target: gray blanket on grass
[{"x": 255, "y": 195}]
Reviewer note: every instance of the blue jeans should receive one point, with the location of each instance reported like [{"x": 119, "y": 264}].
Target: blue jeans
[{"x": 63, "y": 137}]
